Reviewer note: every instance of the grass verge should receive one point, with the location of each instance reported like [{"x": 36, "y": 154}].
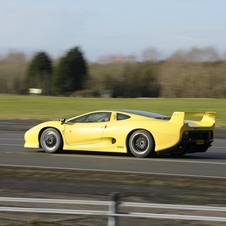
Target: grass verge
[{"x": 46, "y": 108}]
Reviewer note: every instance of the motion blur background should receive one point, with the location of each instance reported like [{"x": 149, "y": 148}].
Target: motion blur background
[{"x": 146, "y": 48}]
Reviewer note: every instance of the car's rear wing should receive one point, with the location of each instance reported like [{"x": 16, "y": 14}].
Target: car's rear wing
[{"x": 205, "y": 118}]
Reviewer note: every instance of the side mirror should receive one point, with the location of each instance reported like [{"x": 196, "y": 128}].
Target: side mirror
[{"x": 62, "y": 120}]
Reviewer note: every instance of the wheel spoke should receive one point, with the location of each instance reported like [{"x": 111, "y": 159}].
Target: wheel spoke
[
  {"x": 51, "y": 140},
  {"x": 141, "y": 143}
]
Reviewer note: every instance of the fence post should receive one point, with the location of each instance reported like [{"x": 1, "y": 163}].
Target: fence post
[{"x": 113, "y": 209}]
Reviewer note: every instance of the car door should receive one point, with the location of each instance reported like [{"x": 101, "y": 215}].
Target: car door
[{"x": 85, "y": 130}]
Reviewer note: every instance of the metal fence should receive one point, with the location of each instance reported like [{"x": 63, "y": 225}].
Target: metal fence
[{"x": 113, "y": 212}]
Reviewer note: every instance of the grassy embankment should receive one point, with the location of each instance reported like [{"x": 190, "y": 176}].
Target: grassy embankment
[{"x": 45, "y": 108}]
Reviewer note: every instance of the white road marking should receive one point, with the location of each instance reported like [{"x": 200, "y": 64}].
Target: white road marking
[
  {"x": 114, "y": 171},
  {"x": 17, "y": 145}
]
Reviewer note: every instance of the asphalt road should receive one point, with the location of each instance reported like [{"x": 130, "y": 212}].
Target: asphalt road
[
  {"x": 143, "y": 180},
  {"x": 209, "y": 164}
]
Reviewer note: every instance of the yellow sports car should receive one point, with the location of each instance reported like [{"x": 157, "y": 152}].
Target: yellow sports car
[{"x": 127, "y": 131}]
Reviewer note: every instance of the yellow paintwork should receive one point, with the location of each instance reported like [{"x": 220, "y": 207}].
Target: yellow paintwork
[{"x": 111, "y": 136}]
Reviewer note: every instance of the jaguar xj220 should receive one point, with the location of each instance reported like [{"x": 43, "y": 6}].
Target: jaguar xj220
[{"x": 138, "y": 132}]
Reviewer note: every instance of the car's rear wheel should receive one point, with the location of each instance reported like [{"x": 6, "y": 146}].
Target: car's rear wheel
[
  {"x": 51, "y": 140},
  {"x": 141, "y": 144}
]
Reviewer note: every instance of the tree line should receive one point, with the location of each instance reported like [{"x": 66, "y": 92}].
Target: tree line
[{"x": 196, "y": 73}]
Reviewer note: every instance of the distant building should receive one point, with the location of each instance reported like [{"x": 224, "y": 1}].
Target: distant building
[
  {"x": 106, "y": 93},
  {"x": 35, "y": 91}
]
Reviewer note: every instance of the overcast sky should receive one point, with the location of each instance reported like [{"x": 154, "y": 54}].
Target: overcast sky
[{"x": 111, "y": 27}]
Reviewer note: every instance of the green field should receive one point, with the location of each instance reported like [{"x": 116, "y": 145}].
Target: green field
[{"x": 45, "y": 108}]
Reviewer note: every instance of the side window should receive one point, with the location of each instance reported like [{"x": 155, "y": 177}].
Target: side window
[
  {"x": 94, "y": 117},
  {"x": 80, "y": 119},
  {"x": 104, "y": 117},
  {"x": 122, "y": 116},
  {"x": 91, "y": 118}
]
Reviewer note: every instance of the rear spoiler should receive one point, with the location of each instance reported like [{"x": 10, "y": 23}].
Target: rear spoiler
[{"x": 207, "y": 118}]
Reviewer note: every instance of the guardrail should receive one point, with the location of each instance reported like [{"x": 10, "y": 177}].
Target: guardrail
[{"x": 113, "y": 212}]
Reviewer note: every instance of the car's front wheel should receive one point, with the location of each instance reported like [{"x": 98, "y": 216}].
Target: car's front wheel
[
  {"x": 51, "y": 140},
  {"x": 141, "y": 144}
]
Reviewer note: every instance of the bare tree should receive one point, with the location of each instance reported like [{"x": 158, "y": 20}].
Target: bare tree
[
  {"x": 151, "y": 54},
  {"x": 12, "y": 73}
]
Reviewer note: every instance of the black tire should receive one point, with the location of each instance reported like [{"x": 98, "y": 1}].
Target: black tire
[
  {"x": 51, "y": 140},
  {"x": 141, "y": 144}
]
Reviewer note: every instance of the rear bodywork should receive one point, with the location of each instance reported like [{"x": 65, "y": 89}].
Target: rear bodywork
[
  {"x": 196, "y": 135},
  {"x": 183, "y": 132}
]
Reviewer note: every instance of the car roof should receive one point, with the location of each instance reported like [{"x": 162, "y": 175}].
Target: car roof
[{"x": 144, "y": 113}]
